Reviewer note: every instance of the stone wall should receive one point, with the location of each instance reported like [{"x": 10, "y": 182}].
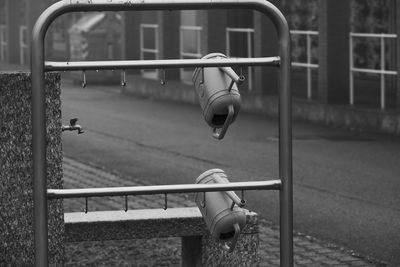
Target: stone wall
[{"x": 16, "y": 163}]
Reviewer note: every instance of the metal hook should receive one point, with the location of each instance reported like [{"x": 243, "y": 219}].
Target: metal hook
[
  {"x": 126, "y": 203},
  {"x": 86, "y": 205},
  {"x": 163, "y": 78},
  {"x": 165, "y": 202},
  {"x": 241, "y": 76},
  {"x": 84, "y": 79},
  {"x": 202, "y": 76},
  {"x": 242, "y": 200},
  {"x": 123, "y": 82},
  {"x": 203, "y": 205}
]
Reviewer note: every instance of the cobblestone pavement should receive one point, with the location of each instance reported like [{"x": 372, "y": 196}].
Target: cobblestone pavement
[{"x": 308, "y": 251}]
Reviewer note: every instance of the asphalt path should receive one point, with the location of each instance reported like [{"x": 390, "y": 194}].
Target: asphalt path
[{"x": 346, "y": 185}]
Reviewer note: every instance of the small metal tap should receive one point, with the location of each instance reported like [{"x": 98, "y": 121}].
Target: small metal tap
[{"x": 72, "y": 126}]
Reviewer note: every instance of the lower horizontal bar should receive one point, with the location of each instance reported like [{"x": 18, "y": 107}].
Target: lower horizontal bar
[
  {"x": 161, "y": 63},
  {"x": 161, "y": 189}
]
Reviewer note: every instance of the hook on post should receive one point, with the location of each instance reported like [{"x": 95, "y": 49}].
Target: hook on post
[
  {"x": 84, "y": 79},
  {"x": 241, "y": 76},
  {"x": 86, "y": 205},
  {"x": 242, "y": 200},
  {"x": 165, "y": 202},
  {"x": 123, "y": 79},
  {"x": 202, "y": 76},
  {"x": 203, "y": 204},
  {"x": 126, "y": 203},
  {"x": 163, "y": 82}
]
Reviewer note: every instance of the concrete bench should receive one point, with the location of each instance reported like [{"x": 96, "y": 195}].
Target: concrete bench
[{"x": 198, "y": 248}]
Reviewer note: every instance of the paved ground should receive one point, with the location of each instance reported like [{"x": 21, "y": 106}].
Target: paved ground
[
  {"x": 166, "y": 252},
  {"x": 345, "y": 184}
]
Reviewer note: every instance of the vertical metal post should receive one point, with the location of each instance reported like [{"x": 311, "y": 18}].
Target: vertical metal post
[
  {"x": 249, "y": 50},
  {"x": 383, "y": 85},
  {"x": 351, "y": 93},
  {"x": 39, "y": 153},
  {"x": 39, "y": 132},
  {"x": 309, "y": 67},
  {"x": 228, "y": 43},
  {"x": 285, "y": 148}
]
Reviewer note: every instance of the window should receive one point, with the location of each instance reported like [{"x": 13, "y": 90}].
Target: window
[
  {"x": 239, "y": 43},
  {"x": 190, "y": 48},
  {"x": 23, "y": 45},
  {"x": 149, "y": 47}
]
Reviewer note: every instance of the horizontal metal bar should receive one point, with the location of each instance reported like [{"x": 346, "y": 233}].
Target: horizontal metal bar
[
  {"x": 305, "y": 65},
  {"x": 160, "y": 64},
  {"x": 373, "y": 35},
  {"x": 374, "y": 71},
  {"x": 161, "y": 189}
]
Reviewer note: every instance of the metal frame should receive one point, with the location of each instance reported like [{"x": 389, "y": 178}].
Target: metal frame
[
  {"x": 382, "y": 71},
  {"x": 309, "y": 65},
  {"x": 248, "y": 32},
  {"x": 39, "y": 67}
]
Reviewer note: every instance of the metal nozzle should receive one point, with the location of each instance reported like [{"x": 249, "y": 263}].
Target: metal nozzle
[{"x": 72, "y": 126}]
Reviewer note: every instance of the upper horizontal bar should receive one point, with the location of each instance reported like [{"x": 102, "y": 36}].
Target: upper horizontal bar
[
  {"x": 161, "y": 189},
  {"x": 161, "y": 63}
]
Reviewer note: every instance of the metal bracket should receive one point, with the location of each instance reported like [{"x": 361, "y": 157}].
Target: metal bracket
[
  {"x": 84, "y": 79},
  {"x": 163, "y": 81},
  {"x": 123, "y": 79}
]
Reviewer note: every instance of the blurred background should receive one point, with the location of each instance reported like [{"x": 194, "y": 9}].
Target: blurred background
[
  {"x": 345, "y": 75},
  {"x": 343, "y": 53}
]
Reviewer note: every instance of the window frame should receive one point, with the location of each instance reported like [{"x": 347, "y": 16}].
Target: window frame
[
  {"x": 186, "y": 75},
  {"x": 151, "y": 74}
]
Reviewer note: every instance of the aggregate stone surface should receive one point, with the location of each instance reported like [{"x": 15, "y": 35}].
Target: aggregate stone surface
[
  {"x": 308, "y": 251},
  {"x": 16, "y": 169}
]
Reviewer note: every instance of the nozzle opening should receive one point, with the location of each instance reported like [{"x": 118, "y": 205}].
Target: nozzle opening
[
  {"x": 227, "y": 235},
  {"x": 219, "y": 119}
]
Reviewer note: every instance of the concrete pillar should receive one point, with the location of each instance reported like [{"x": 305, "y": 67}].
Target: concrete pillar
[
  {"x": 169, "y": 22},
  {"x": 333, "y": 52},
  {"x": 16, "y": 198}
]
